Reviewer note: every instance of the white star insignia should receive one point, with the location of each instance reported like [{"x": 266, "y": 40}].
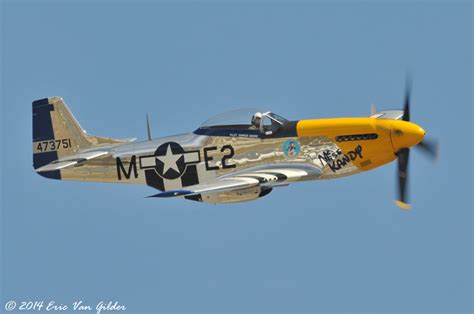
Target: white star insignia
[{"x": 169, "y": 160}]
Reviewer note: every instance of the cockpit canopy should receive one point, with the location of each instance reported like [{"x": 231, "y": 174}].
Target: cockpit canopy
[{"x": 249, "y": 121}]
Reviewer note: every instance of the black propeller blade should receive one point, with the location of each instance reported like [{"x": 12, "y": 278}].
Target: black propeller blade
[
  {"x": 403, "y": 157},
  {"x": 406, "y": 105},
  {"x": 430, "y": 148}
]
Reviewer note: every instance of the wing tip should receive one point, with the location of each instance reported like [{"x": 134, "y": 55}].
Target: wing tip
[{"x": 172, "y": 193}]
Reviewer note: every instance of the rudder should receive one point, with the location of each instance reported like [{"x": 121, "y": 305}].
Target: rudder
[{"x": 46, "y": 144}]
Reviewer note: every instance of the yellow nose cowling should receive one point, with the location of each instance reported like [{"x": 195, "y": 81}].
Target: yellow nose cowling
[{"x": 405, "y": 134}]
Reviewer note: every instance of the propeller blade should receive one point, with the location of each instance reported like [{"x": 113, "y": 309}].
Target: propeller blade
[
  {"x": 430, "y": 148},
  {"x": 406, "y": 105},
  {"x": 403, "y": 156}
]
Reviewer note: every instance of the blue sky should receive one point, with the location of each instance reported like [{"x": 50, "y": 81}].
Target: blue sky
[{"x": 326, "y": 246}]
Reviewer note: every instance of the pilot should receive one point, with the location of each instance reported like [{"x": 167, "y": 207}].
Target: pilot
[{"x": 256, "y": 120}]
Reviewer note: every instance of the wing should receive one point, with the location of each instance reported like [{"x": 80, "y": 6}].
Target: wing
[{"x": 265, "y": 176}]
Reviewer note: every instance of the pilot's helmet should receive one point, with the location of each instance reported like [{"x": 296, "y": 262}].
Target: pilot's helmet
[{"x": 257, "y": 117}]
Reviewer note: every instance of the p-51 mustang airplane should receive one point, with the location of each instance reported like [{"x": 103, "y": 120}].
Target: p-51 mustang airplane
[{"x": 235, "y": 157}]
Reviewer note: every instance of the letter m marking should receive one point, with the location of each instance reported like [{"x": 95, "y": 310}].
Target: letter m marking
[{"x": 127, "y": 173}]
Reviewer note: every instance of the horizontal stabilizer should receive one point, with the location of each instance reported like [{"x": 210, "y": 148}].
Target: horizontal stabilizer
[
  {"x": 56, "y": 166},
  {"x": 71, "y": 161}
]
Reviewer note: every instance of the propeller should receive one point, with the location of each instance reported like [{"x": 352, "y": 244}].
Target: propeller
[{"x": 428, "y": 146}]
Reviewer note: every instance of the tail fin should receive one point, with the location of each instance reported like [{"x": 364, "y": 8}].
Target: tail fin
[{"x": 57, "y": 134}]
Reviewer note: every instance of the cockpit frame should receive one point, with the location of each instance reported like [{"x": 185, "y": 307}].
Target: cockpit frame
[{"x": 270, "y": 125}]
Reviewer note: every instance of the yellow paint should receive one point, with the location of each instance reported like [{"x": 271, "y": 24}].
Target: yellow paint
[
  {"x": 375, "y": 152},
  {"x": 403, "y": 205},
  {"x": 406, "y": 134}
]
